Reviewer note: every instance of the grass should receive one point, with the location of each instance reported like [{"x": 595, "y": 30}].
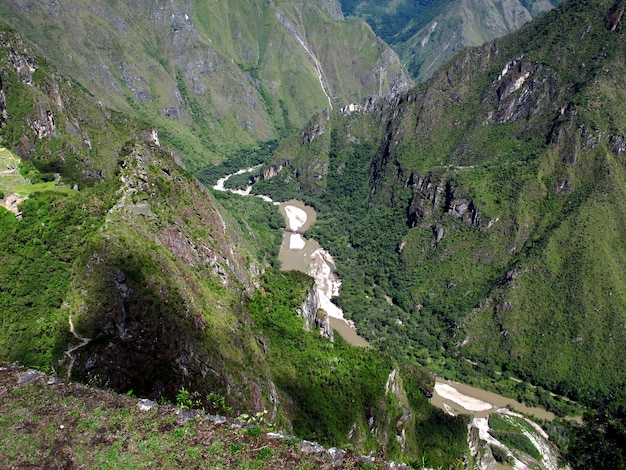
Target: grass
[
  {"x": 510, "y": 431},
  {"x": 12, "y": 182},
  {"x": 56, "y": 424},
  {"x": 10, "y": 177}
]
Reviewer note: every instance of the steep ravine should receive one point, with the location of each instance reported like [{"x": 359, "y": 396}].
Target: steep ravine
[{"x": 306, "y": 255}]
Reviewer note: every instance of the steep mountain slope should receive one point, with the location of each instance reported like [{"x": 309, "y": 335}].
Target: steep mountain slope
[
  {"x": 486, "y": 205},
  {"x": 119, "y": 269},
  {"x": 214, "y": 77},
  {"x": 109, "y": 259},
  {"x": 427, "y": 33}
]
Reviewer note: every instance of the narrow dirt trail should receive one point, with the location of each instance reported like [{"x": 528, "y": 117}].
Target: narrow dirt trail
[{"x": 83, "y": 342}]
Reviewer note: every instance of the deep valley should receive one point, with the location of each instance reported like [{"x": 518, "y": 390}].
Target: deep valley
[{"x": 467, "y": 210}]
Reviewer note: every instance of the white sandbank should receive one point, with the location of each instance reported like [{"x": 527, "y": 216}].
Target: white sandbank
[
  {"x": 296, "y": 241},
  {"x": 296, "y": 218},
  {"x": 466, "y": 402}
]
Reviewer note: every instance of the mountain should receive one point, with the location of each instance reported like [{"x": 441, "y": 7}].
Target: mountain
[
  {"x": 213, "y": 77},
  {"x": 476, "y": 221},
  {"x": 427, "y": 33},
  {"x": 122, "y": 271}
]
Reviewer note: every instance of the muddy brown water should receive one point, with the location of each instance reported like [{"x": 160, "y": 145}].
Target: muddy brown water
[
  {"x": 347, "y": 332},
  {"x": 464, "y": 399},
  {"x": 299, "y": 259}
]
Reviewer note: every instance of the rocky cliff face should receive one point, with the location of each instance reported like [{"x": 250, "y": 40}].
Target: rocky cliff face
[
  {"x": 315, "y": 317},
  {"x": 152, "y": 324},
  {"x": 193, "y": 68},
  {"x": 3, "y": 108}
]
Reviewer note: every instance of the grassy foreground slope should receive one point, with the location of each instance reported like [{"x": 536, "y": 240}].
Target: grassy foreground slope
[{"x": 56, "y": 424}]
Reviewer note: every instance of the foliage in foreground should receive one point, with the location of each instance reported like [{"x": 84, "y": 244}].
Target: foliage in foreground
[
  {"x": 600, "y": 442},
  {"x": 336, "y": 391},
  {"x": 56, "y": 424}
]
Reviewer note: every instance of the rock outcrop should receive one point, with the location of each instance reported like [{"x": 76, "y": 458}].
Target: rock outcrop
[
  {"x": 433, "y": 201},
  {"x": 314, "y": 316},
  {"x": 3, "y": 107}
]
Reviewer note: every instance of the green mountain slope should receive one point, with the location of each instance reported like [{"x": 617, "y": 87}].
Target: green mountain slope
[
  {"x": 213, "y": 77},
  {"x": 120, "y": 270},
  {"x": 427, "y": 33},
  {"x": 486, "y": 204}
]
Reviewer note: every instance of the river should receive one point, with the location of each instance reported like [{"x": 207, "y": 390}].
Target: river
[
  {"x": 456, "y": 397},
  {"x": 299, "y": 253},
  {"x": 306, "y": 255}
]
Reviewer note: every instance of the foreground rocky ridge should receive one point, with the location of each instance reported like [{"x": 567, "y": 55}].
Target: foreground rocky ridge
[{"x": 68, "y": 425}]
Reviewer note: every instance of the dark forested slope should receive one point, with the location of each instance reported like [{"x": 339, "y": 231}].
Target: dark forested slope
[{"x": 486, "y": 204}]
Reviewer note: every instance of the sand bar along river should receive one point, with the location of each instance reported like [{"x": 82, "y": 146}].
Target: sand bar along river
[{"x": 306, "y": 255}]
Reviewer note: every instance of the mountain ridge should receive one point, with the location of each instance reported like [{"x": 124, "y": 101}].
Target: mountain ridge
[
  {"x": 468, "y": 180},
  {"x": 427, "y": 34},
  {"x": 211, "y": 77}
]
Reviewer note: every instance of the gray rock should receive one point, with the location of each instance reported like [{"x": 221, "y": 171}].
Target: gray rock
[
  {"x": 397, "y": 466},
  {"x": 311, "y": 447},
  {"x": 217, "y": 419},
  {"x": 29, "y": 376},
  {"x": 336, "y": 456},
  {"x": 146, "y": 405},
  {"x": 275, "y": 435},
  {"x": 55, "y": 381},
  {"x": 185, "y": 414},
  {"x": 367, "y": 458}
]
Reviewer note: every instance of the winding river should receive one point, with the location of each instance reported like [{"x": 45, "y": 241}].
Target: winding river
[
  {"x": 306, "y": 255},
  {"x": 302, "y": 254}
]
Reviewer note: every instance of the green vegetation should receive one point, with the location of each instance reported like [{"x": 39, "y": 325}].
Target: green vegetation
[
  {"x": 136, "y": 283},
  {"x": 39, "y": 252},
  {"x": 500, "y": 455},
  {"x": 476, "y": 224},
  {"x": 258, "y": 220},
  {"x": 510, "y": 431},
  {"x": 336, "y": 388},
  {"x": 332, "y": 384},
  {"x": 226, "y": 93},
  {"x": 114, "y": 269},
  {"x": 600, "y": 442},
  {"x": 467, "y": 223}
]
